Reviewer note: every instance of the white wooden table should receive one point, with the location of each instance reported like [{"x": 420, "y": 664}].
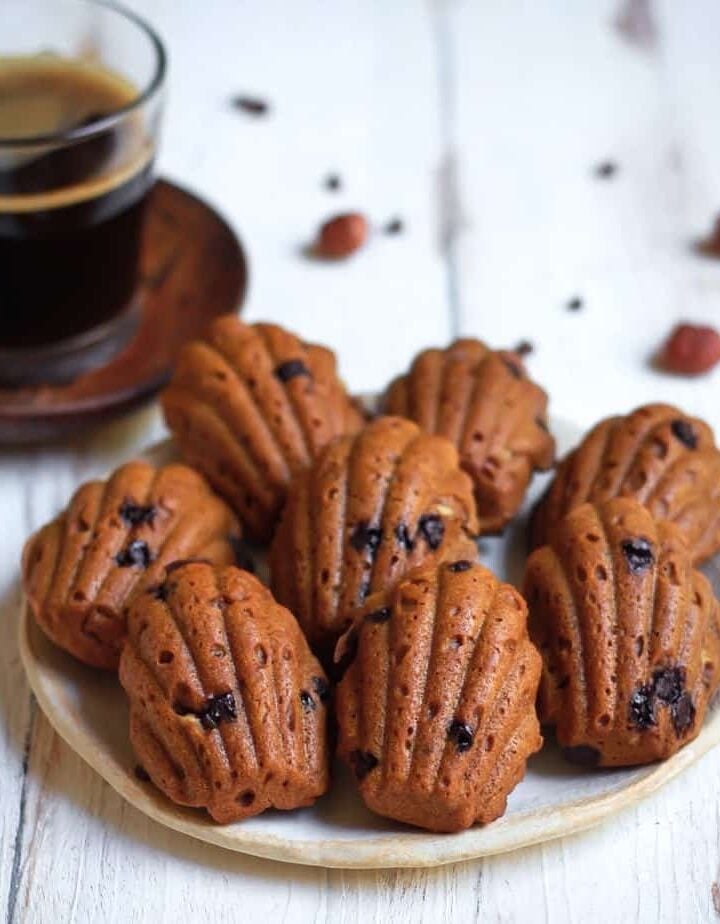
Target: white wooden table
[{"x": 479, "y": 122}]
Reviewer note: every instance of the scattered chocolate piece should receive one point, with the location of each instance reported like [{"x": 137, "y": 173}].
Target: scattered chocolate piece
[
  {"x": 638, "y": 554},
  {"x": 291, "y": 370},
  {"x": 332, "y": 182},
  {"x": 308, "y": 703},
  {"x": 682, "y": 713},
  {"x": 136, "y": 553},
  {"x": 379, "y": 616},
  {"x": 394, "y": 226},
  {"x": 462, "y": 735},
  {"x": 142, "y": 774},
  {"x": 252, "y": 105},
  {"x": 682, "y": 429},
  {"x": 322, "y": 689},
  {"x": 366, "y": 538},
  {"x": 583, "y": 755},
  {"x": 135, "y": 514},
  {"x": 642, "y": 706},
  {"x": 432, "y": 529},
  {"x": 669, "y": 683},
  {"x": 690, "y": 350},
  {"x": 341, "y": 236},
  {"x": 220, "y": 708},
  {"x": 363, "y": 762},
  {"x": 462, "y": 565},
  {"x": 710, "y": 246},
  {"x": 575, "y": 303},
  {"x": 402, "y": 534},
  {"x": 606, "y": 169},
  {"x": 523, "y": 348}
]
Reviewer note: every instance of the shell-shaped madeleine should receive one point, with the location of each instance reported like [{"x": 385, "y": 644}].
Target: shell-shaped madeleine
[
  {"x": 249, "y": 405},
  {"x": 436, "y": 710},
  {"x": 373, "y": 505},
  {"x": 114, "y": 539},
  {"x": 657, "y": 455},
  {"x": 629, "y": 634},
  {"x": 484, "y": 403},
  {"x": 227, "y": 704}
]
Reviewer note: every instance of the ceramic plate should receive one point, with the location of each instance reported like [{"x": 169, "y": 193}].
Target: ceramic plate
[{"x": 88, "y": 709}]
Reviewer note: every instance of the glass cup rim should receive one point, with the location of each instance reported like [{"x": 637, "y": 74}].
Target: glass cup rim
[{"x": 102, "y": 124}]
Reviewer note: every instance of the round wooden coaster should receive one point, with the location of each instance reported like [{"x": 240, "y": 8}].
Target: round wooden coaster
[{"x": 192, "y": 269}]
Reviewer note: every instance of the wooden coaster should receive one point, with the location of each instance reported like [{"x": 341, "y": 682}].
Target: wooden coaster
[{"x": 192, "y": 269}]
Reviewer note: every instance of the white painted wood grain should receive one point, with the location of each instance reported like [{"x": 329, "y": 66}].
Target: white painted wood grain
[{"x": 478, "y": 121}]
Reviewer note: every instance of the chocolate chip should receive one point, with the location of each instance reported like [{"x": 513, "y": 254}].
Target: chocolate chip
[
  {"x": 251, "y": 104},
  {"x": 523, "y": 348},
  {"x": 366, "y": 538},
  {"x": 432, "y": 529},
  {"x": 638, "y": 554},
  {"x": 402, "y": 534},
  {"x": 461, "y": 734},
  {"x": 363, "y": 762},
  {"x": 462, "y": 565},
  {"x": 332, "y": 182},
  {"x": 394, "y": 226},
  {"x": 606, "y": 169},
  {"x": 683, "y": 430},
  {"x": 135, "y": 514},
  {"x": 308, "y": 703},
  {"x": 141, "y": 773},
  {"x": 668, "y": 683},
  {"x": 322, "y": 688},
  {"x": 136, "y": 553},
  {"x": 364, "y": 589},
  {"x": 682, "y": 713},
  {"x": 243, "y": 556},
  {"x": 582, "y": 754},
  {"x": 513, "y": 368},
  {"x": 217, "y": 709},
  {"x": 291, "y": 370},
  {"x": 575, "y": 304},
  {"x": 379, "y": 616},
  {"x": 642, "y": 706}
]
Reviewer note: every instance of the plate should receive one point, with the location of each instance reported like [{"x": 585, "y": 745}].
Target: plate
[{"x": 88, "y": 709}]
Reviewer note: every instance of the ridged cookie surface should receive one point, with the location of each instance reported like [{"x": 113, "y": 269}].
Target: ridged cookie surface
[
  {"x": 629, "y": 634},
  {"x": 249, "y": 405},
  {"x": 484, "y": 403},
  {"x": 371, "y": 507},
  {"x": 114, "y": 539},
  {"x": 437, "y": 708},
  {"x": 227, "y": 704},
  {"x": 658, "y": 455}
]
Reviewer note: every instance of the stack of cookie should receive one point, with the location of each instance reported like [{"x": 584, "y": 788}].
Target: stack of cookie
[{"x": 380, "y": 627}]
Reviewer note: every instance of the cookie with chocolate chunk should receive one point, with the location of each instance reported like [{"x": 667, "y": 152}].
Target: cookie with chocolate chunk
[
  {"x": 663, "y": 458},
  {"x": 249, "y": 405},
  {"x": 483, "y": 402},
  {"x": 373, "y": 506},
  {"x": 629, "y": 634},
  {"x": 436, "y": 710},
  {"x": 114, "y": 539},
  {"x": 228, "y": 707}
]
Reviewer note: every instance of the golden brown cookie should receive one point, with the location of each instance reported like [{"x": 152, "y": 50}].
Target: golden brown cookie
[
  {"x": 372, "y": 506},
  {"x": 437, "y": 709},
  {"x": 629, "y": 634},
  {"x": 249, "y": 405},
  {"x": 484, "y": 403},
  {"x": 227, "y": 704},
  {"x": 658, "y": 455},
  {"x": 113, "y": 540}
]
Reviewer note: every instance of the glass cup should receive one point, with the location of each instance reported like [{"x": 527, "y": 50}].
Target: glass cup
[{"x": 81, "y": 94}]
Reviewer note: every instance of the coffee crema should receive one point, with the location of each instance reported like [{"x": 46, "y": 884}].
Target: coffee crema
[{"x": 71, "y": 209}]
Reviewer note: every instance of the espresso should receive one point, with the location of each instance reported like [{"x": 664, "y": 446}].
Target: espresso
[{"x": 71, "y": 210}]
